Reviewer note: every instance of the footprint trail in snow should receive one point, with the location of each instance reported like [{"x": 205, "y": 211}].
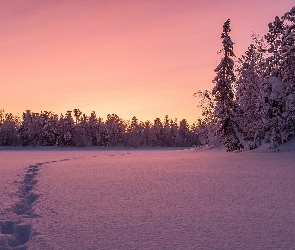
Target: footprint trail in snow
[{"x": 15, "y": 233}]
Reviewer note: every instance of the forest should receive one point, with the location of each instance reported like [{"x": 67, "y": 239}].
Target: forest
[
  {"x": 252, "y": 103},
  {"x": 253, "y": 98},
  {"x": 79, "y": 130}
]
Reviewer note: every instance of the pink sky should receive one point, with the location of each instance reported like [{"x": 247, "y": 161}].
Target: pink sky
[{"x": 142, "y": 58}]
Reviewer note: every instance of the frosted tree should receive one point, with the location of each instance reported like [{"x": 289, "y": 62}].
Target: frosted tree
[
  {"x": 66, "y": 130},
  {"x": 206, "y": 105},
  {"x": 115, "y": 128},
  {"x": 174, "y": 132},
  {"x": 166, "y": 136},
  {"x": 194, "y": 139},
  {"x": 156, "y": 132},
  {"x": 147, "y": 133},
  {"x": 135, "y": 133},
  {"x": 207, "y": 124},
  {"x": 247, "y": 89},
  {"x": 82, "y": 134},
  {"x": 184, "y": 133},
  {"x": 95, "y": 129},
  {"x": 226, "y": 108},
  {"x": 274, "y": 40},
  {"x": 8, "y": 129},
  {"x": 49, "y": 132},
  {"x": 30, "y": 129},
  {"x": 288, "y": 69},
  {"x": 273, "y": 89}
]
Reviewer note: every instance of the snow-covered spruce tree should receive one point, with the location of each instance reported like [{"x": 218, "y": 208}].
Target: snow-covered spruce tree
[
  {"x": 156, "y": 132},
  {"x": 134, "y": 136},
  {"x": 226, "y": 108},
  {"x": 49, "y": 132},
  {"x": 115, "y": 128},
  {"x": 174, "y": 132},
  {"x": 82, "y": 134},
  {"x": 187, "y": 134},
  {"x": 184, "y": 133},
  {"x": 25, "y": 132},
  {"x": 8, "y": 129},
  {"x": 95, "y": 125},
  {"x": 194, "y": 138},
  {"x": 66, "y": 130},
  {"x": 166, "y": 137},
  {"x": 273, "y": 89},
  {"x": 274, "y": 40},
  {"x": 147, "y": 125},
  {"x": 288, "y": 69},
  {"x": 247, "y": 89}
]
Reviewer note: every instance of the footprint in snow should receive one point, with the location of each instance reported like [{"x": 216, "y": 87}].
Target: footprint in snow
[{"x": 14, "y": 234}]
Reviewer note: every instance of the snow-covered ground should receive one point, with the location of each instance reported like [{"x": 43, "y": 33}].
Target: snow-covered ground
[{"x": 147, "y": 199}]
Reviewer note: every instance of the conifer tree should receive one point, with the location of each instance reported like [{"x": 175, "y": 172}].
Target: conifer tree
[
  {"x": 156, "y": 133},
  {"x": 166, "y": 137},
  {"x": 226, "y": 108},
  {"x": 184, "y": 133},
  {"x": 288, "y": 70},
  {"x": 247, "y": 92},
  {"x": 134, "y": 135},
  {"x": 8, "y": 129},
  {"x": 82, "y": 135},
  {"x": 273, "y": 90},
  {"x": 66, "y": 130},
  {"x": 115, "y": 129}
]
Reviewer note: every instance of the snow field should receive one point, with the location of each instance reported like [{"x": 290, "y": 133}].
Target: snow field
[{"x": 152, "y": 199}]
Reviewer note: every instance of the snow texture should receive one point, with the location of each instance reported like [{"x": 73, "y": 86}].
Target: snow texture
[{"x": 147, "y": 199}]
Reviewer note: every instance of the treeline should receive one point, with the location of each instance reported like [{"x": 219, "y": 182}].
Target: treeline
[
  {"x": 253, "y": 99},
  {"x": 79, "y": 130}
]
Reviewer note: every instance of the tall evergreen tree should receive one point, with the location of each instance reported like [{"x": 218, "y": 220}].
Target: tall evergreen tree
[
  {"x": 248, "y": 86},
  {"x": 288, "y": 70},
  {"x": 273, "y": 90},
  {"x": 226, "y": 108}
]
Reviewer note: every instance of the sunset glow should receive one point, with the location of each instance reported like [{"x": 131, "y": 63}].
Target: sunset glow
[{"x": 142, "y": 58}]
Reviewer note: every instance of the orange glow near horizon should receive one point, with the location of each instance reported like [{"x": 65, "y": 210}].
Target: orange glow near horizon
[{"x": 142, "y": 58}]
